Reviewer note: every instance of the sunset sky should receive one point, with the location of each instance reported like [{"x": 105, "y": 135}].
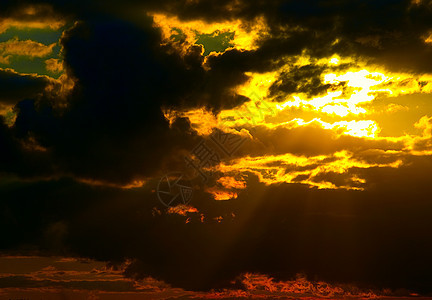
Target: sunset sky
[{"x": 215, "y": 149}]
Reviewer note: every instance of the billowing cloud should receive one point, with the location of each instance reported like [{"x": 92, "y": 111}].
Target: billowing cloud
[
  {"x": 29, "y": 48},
  {"x": 54, "y": 65}
]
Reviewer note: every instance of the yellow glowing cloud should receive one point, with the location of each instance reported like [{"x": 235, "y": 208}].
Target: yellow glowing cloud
[
  {"x": 182, "y": 210},
  {"x": 133, "y": 184},
  {"x": 421, "y": 145},
  {"x": 257, "y": 85},
  {"x": 364, "y": 83},
  {"x": 333, "y": 103},
  {"x": 255, "y": 111},
  {"x": 226, "y": 188},
  {"x": 334, "y": 61},
  {"x": 425, "y": 124},
  {"x": 8, "y": 113},
  {"x": 60, "y": 88},
  {"x": 363, "y": 128},
  {"x": 392, "y": 108},
  {"x": 23, "y": 48},
  {"x": 54, "y": 65},
  {"x": 342, "y": 110},
  {"x": 231, "y": 183},
  {"x": 204, "y": 122},
  {"x": 221, "y": 194},
  {"x": 349, "y": 107},
  {"x": 428, "y": 38},
  {"x": 289, "y": 168}
]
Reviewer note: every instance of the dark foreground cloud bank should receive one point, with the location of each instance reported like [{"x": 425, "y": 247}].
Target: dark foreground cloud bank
[
  {"x": 110, "y": 131},
  {"x": 379, "y": 238}
]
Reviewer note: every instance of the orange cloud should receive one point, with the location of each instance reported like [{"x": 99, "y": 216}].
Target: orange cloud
[
  {"x": 182, "y": 210},
  {"x": 301, "y": 286},
  {"x": 323, "y": 171},
  {"x": 232, "y": 183},
  {"x": 220, "y": 194}
]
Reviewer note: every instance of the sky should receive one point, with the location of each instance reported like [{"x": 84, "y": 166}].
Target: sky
[{"x": 200, "y": 149}]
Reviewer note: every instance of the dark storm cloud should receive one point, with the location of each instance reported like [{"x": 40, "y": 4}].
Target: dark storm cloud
[
  {"x": 370, "y": 237},
  {"x": 15, "y": 87},
  {"x": 388, "y": 23},
  {"x": 305, "y": 79},
  {"x": 113, "y": 128},
  {"x": 390, "y": 33},
  {"x": 281, "y": 230},
  {"x": 124, "y": 77}
]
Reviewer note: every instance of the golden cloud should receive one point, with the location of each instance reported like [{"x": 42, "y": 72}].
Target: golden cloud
[
  {"x": 54, "y": 65},
  {"x": 23, "y": 48},
  {"x": 311, "y": 171}
]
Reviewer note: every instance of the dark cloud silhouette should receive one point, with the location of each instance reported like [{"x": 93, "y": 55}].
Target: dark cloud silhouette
[
  {"x": 15, "y": 87},
  {"x": 123, "y": 79},
  {"x": 373, "y": 237}
]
